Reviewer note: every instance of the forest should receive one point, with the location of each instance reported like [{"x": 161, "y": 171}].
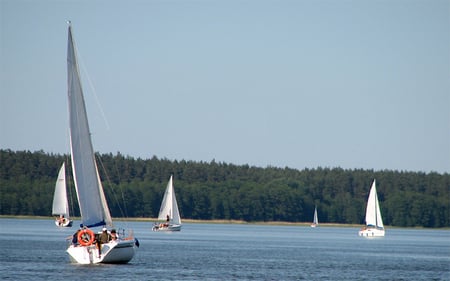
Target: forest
[{"x": 213, "y": 190}]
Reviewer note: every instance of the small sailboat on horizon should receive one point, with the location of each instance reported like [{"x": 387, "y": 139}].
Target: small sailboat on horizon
[
  {"x": 60, "y": 206},
  {"x": 91, "y": 198},
  {"x": 168, "y": 211},
  {"x": 374, "y": 222},
  {"x": 315, "y": 219}
]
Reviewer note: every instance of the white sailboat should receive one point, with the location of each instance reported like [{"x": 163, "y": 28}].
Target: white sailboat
[
  {"x": 315, "y": 219},
  {"x": 60, "y": 204},
  {"x": 374, "y": 222},
  {"x": 168, "y": 211},
  {"x": 91, "y": 199}
]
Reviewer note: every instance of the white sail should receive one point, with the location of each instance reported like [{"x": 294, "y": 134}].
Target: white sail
[
  {"x": 60, "y": 203},
  {"x": 379, "y": 218},
  {"x": 93, "y": 207},
  {"x": 169, "y": 206},
  {"x": 373, "y": 213},
  {"x": 374, "y": 223},
  {"x": 315, "y": 220}
]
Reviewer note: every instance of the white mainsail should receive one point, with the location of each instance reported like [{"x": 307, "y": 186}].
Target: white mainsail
[
  {"x": 169, "y": 206},
  {"x": 373, "y": 213},
  {"x": 315, "y": 220},
  {"x": 60, "y": 203},
  {"x": 93, "y": 207}
]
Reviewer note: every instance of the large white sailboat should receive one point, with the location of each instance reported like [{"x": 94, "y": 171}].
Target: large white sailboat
[
  {"x": 60, "y": 204},
  {"x": 315, "y": 219},
  {"x": 374, "y": 222},
  {"x": 168, "y": 211},
  {"x": 91, "y": 199}
]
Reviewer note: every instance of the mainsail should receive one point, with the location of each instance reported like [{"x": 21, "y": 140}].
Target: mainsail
[
  {"x": 60, "y": 204},
  {"x": 169, "y": 206},
  {"x": 373, "y": 213},
  {"x": 315, "y": 220},
  {"x": 93, "y": 207}
]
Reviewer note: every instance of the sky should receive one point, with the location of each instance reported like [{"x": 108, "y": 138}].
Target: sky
[{"x": 302, "y": 84}]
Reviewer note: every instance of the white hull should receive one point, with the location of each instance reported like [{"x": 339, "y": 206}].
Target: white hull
[
  {"x": 66, "y": 223},
  {"x": 313, "y": 225},
  {"x": 112, "y": 252},
  {"x": 371, "y": 232},
  {"x": 170, "y": 227}
]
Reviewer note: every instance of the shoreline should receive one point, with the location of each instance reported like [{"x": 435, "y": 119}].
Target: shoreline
[{"x": 275, "y": 223}]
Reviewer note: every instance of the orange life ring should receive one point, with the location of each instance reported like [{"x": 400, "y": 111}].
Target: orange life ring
[{"x": 86, "y": 237}]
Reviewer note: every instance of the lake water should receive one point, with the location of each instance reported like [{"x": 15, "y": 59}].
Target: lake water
[{"x": 35, "y": 250}]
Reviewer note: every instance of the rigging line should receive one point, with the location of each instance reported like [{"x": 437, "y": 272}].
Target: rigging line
[
  {"x": 120, "y": 186},
  {"x": 123, "y": 213},
  {"x": 91, "y": 86}
]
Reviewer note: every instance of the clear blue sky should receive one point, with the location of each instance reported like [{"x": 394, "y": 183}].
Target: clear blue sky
[{"x": 351, "y": 84}]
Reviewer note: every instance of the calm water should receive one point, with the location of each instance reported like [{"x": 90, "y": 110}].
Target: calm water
[{"x": 35, "y": 250}]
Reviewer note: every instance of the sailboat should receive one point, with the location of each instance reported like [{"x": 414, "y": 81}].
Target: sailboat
[
  {"x": 374, "y": 222},
  {"x": 91, "y": 198},
  {"x": 315, "y": 220},
  {"x": 168, "y": 211},
  {"x": 60, "y": 204}
]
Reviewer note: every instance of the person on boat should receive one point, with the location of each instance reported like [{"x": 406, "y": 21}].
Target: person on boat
[
  {"x": 75, "y": 236},
  {"x": 61, "y": 220},
  {"x": 114, "y": 235},
  {"x": 103, "y": 238},
  {"x": 166, "y": 224}
]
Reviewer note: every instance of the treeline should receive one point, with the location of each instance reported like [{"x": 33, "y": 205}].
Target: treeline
[{"x": 134, "y": 188}]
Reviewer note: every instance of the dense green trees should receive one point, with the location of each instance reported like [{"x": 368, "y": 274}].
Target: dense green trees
[{"x": 134, "y": 188}]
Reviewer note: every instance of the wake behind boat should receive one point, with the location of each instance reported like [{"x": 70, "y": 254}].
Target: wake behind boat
[
  {"x": 374, "y": 222},
  {"x": 88, "y": 247},
  {"x": 169, "y": 211},
  {"x": 60, "y": 204}
]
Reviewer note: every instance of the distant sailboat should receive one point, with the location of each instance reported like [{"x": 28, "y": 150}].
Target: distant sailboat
[
  {"x": 60, "y": 204},
  {"x": 91, "y": 199},
  {"x": 168, "y": 211},
  {"x": 374, "y": 222},
  {"x": 315, "y": 220}
]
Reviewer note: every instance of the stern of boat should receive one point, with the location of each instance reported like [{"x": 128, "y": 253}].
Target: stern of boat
[{"x": 112, "y": 252}]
